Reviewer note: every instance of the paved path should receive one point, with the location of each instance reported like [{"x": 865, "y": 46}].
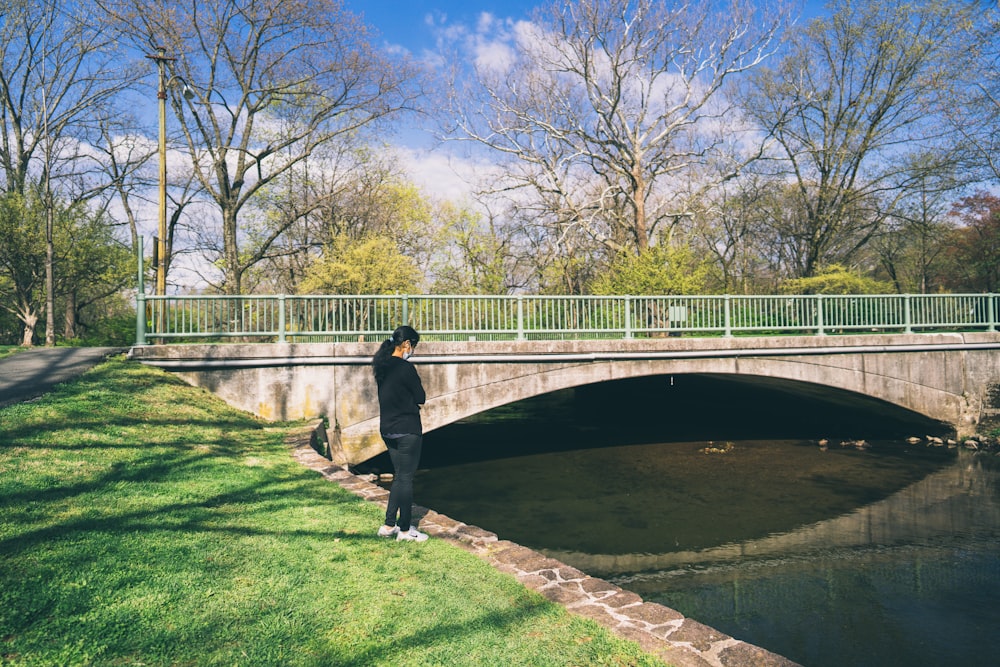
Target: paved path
[{"x": 30, "y": 373}]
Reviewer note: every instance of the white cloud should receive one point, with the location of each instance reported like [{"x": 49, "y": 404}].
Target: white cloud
[
  {"x": 440, "y": 173},
  {"x": 486, "y": 23},
  {"x": 493, "y": 56}
]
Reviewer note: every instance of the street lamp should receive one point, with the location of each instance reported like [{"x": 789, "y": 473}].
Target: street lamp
[{"x": 162, "y": 59}]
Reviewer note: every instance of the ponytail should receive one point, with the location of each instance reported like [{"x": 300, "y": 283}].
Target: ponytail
[{"x": 380, "y": 362}]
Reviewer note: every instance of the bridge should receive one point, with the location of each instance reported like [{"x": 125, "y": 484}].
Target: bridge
[{"x": 948, "y": 377}]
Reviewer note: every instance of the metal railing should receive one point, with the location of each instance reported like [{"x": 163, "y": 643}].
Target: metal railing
[
  {"x": 348, "y": 318},
  {"x": 339, "y": 318}
]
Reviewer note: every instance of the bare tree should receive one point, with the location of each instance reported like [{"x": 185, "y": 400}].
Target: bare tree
[
  {"x": 608, "y": 110},
  {"x": 730, "y": 226},
  {"x": 850, "y": 107},
  {"x": 58, "y": 73},
  {"x": 974, "y": 110},
  {"x": 914, "y": 244},
  {"x": 273, "y": 80},
  {"x": 123, "y": 154}
]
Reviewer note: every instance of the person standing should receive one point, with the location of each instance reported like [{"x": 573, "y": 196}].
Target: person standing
[{"x": 400, "y": 395}]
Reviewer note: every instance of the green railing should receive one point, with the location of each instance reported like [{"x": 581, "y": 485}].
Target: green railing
[
  {"x": 285, "y": 318},
  {"x": 337, "y": 318}
]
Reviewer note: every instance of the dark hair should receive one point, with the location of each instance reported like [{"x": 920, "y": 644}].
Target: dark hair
[{"x": 380, "y": 362}]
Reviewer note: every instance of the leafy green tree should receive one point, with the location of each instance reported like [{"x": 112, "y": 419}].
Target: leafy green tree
[
  {"x": 836, "y": 279},
  {"x": 22, "y": 261},
  {"x": 659, "y": 269},
  {"x": 357, "y": 193},
  {"x": 94, "y": 268},
  {"x": 60, "y": 75},
  {"x": 10, "y": 325},
  {"x": 392, "y": 208},
  {"x": 473, "y": 254},
  {"x": 368, "y": 266}
]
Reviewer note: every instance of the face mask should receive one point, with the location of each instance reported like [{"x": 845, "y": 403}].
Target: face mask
[{"x": 407, "y": 355}]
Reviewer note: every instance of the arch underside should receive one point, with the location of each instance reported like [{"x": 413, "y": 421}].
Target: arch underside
[{"x": 842, "y": 388}]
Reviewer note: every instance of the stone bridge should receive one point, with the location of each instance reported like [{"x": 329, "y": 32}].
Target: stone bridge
[{"x": 947, "y": 377}]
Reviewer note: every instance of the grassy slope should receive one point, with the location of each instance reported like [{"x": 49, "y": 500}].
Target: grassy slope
[{"x": 143, "y": 521}]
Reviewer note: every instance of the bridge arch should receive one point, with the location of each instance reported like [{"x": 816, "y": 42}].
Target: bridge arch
[
  {"x": 841, "y": 387},
  {"x": 448, "y": 407}
]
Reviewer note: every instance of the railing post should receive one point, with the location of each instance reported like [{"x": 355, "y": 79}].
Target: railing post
[
  {"x": 406, "y": 309},
  {"x": 991, "y": 311},
  {"x": 281, "y": 319},
  {"x": 628, "y": 317},
  {"x": 140, "y": 300},
  {"x": 727, "y": 319},
  {"x": 907, "y": 315},
  {"x": 820, "y": 320},
  {"x": 520, "y": 317}
]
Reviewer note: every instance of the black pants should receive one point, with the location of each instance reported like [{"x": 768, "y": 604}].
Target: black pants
[{"x": 405, "y": 454}]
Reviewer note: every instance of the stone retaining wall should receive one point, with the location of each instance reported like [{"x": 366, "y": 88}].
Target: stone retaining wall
[{"x": 659, "y": 630}]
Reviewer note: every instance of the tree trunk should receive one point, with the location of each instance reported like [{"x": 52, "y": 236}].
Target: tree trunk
[
  {"x": 231, "y": 252},
  {"x": 69, "y": 317},
  {"x": 639, "y": 205},
  {"x": 50, "y": 316},
  {"x": 29, "y": 318}
]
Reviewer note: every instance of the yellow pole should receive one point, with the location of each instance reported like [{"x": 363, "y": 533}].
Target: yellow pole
[
  {"x": 161, "y": 267},
  {"x": 161, "y": 241}
]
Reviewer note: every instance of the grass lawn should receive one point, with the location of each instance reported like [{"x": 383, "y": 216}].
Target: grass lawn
[{"x": 145, "y": 522}]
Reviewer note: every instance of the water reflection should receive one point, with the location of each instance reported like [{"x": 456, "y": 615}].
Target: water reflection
[
  {"x": 669, "y": 499},
  {"x": 939, "y": 509},
  {"x": 911, "y": 580}
]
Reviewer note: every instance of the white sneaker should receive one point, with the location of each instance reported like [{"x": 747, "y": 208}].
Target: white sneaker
[
  {"x": 388, "y": 531},
  {"x": 411, "y": 535}
]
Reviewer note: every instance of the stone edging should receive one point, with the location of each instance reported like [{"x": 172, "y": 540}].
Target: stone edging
[{"x": 659, "y": 630}]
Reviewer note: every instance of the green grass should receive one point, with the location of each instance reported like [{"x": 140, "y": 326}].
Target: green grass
[
  {"x": 7, "y": 350},
  {"x": 145, "y": 522}
]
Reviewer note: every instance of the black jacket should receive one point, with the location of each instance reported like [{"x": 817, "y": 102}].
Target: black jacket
[{"x": 400, "y": 395}]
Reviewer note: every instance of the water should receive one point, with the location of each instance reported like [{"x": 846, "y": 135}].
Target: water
[
  {"x": 909, "y": 580},
  {"x": 885, "y": 555}
]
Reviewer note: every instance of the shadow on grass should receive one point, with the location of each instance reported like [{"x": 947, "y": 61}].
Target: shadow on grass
[
  {"x": 392, "y": 649},
  {"x": 119, "y": 394},
  {"x": 86, "y": 432},
  {"x": 137, "y": 476}
]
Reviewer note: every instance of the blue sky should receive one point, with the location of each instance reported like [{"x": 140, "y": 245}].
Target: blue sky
[
  {"x": 420, "y": 27},
  {"x": 415, "y": 24}
]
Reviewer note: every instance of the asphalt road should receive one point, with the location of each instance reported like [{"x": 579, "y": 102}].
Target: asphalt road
[{"x": 30, "y": 373}]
